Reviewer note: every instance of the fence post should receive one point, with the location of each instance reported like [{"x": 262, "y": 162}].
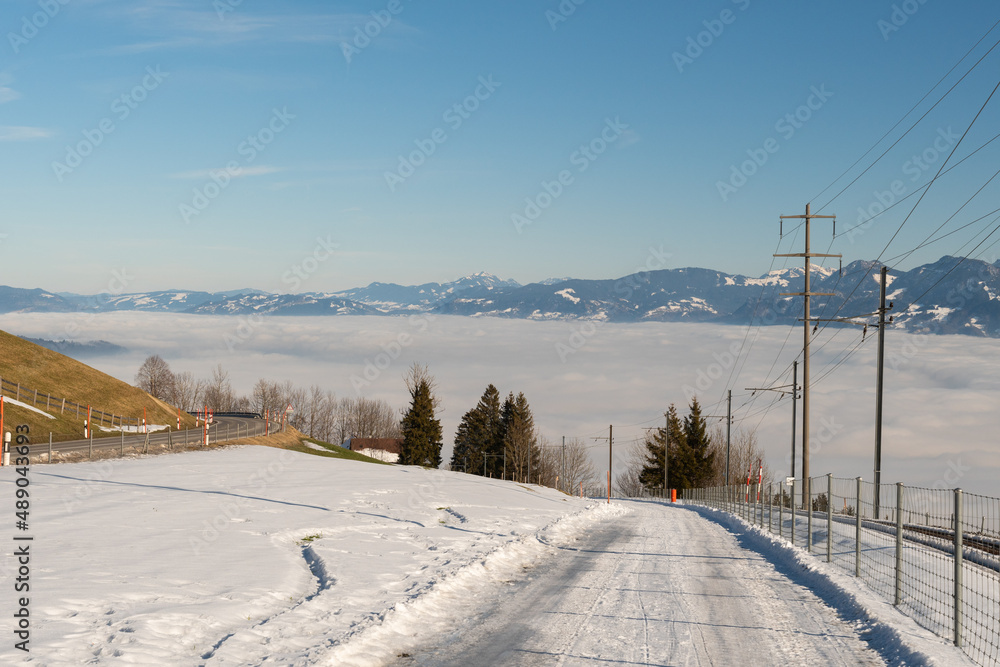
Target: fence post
[
  {"x": 857, "y": 530},
  {"x": 958, "y": 567},
  {"x": 781, "y": 511},
  {"x": 770, "y": 507},
  {"x": 809, "y": 514},
  {"x": 91, "y": 434},
  {"x": 123, "y": 445},
  {"x": 792, "y": 508},
  {"x": 829, "y": 517},
  {"x": 50, "y": 446},
  {"x": 899, "y": 544}
]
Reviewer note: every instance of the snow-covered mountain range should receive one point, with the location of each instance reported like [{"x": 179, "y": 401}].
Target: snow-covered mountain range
[{"x": 951, "y": 295}]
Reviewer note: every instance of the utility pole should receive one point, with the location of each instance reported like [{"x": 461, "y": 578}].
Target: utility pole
[
  {"x": 610, "y": 457},
  {"x": 878, "y": 388},
  {"x": 784, "y": 389},
  {"x": 666, "y": 455},
  {"x": 795, "y": 396},
  {"x": 729, "y": 425},
  {"x": 806, "y": 323},
  {"x": 611, "y": 441},
  {"x": 563, "y": 477}
]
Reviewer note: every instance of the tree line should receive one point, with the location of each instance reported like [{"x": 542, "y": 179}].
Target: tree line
[
  {"x": 697, "y": 456},
  {"x": 500, "y": 440},
  {"x": 317, "y": 412}
]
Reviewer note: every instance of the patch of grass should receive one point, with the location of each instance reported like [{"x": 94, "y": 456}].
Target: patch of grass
[
  {"x": 310, "y": 538},
  {"x": 49, "y": 372},
  {"x": 332, "y": 451}
]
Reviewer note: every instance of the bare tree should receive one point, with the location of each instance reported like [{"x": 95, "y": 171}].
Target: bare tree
[
  {"x": 366, "y": 418},
  {"x": 745, "y": 455},
  {"x": 579, "y": 468},
  {"x": 418, "y": 373},
  {"x": 155, "y": 378},
  {"x": 218, "y": 392},
  {"x": 187, "y": 391},
  {"x": 629, "y": 483}
]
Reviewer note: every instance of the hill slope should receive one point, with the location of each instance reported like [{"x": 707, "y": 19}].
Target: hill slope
[{"x": 38, "y": 368}]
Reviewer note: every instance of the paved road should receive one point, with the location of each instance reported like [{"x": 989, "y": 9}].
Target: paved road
[{"x": 660, "y": 586}]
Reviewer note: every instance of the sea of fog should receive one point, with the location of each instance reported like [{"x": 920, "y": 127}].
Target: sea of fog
[{"x": 941, "y": 392}]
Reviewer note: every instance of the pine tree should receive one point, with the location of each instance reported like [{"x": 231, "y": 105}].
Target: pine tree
[
  {"x": 699, "y": 459},
  {"x": 520, "y": 440},
  {"x": 477, "y": 440},
  {"x": 652, "y": 472},
  {"x": 421, "y": 431}
]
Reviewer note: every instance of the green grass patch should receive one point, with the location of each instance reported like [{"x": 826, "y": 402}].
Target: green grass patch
[{"x": 333, "y": 452}]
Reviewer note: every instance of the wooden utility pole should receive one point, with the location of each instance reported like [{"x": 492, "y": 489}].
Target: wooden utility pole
[
  {"x": 729, "y": 424},
  {"x": 806, "y": 323},
  {"x": 795, "y": 397},
  {"x": 610, "y": 457},
  {"x": 666, "y": 455},
  {"x": 878, "y": 389}
]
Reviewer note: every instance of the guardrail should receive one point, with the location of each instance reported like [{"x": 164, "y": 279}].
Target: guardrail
[
  {"x": 164, "y": 440},
  {"x": 932, "y": 553}
]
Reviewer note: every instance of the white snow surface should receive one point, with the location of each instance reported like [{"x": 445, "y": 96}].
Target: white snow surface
[
  {"x": 11, "y": 401},
  {"x": 254, "y": 555},
  {"x": 259, "y": 556}
]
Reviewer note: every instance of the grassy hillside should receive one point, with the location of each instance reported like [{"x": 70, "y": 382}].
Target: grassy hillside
[{"x": 52, "y": 373}]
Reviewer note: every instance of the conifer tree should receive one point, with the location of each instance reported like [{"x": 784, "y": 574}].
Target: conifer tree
[
  {"x": 673, "y": 434},
  {"x": 478, "y": 436},
  {"x": 421, "y": 431},
  {"x": 699, "y": 459},
  {"x": 520, "y": 439}
]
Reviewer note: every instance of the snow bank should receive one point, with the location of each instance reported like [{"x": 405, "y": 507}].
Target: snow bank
[
  {"x": 251, "y": 554},
  {"x": 897, "y": 637},
  {"x": 11, "y": 401}
]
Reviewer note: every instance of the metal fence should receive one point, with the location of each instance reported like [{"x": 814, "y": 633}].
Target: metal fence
[
  {"x": 933, "y": 553},
  {"x": 162, "y": 440}
]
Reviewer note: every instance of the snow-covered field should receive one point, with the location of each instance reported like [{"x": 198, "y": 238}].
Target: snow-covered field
[
  {"x": 259, "y": 556},
  {"x": 256, "y": 555}
]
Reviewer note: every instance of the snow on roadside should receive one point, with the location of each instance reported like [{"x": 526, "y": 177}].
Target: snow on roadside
[
  {"x": 897, "y": 637},
  {"x": 11, "y": 401},
  {"x": 253, "y": 555},
  {"x": 456, "y": 597}
]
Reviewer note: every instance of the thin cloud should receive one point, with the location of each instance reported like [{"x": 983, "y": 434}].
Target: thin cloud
[
  {"x": 23, "y": 133},
  {"x": 201, "y": 174}
]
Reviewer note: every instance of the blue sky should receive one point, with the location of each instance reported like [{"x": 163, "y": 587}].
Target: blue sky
[{"x": 300, "y": 133}]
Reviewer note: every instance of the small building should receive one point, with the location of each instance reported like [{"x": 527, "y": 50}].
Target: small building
[{"x": 383, "y": 449}]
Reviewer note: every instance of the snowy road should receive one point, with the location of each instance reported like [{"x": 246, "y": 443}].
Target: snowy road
[{"x": 658, "y": 586}]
